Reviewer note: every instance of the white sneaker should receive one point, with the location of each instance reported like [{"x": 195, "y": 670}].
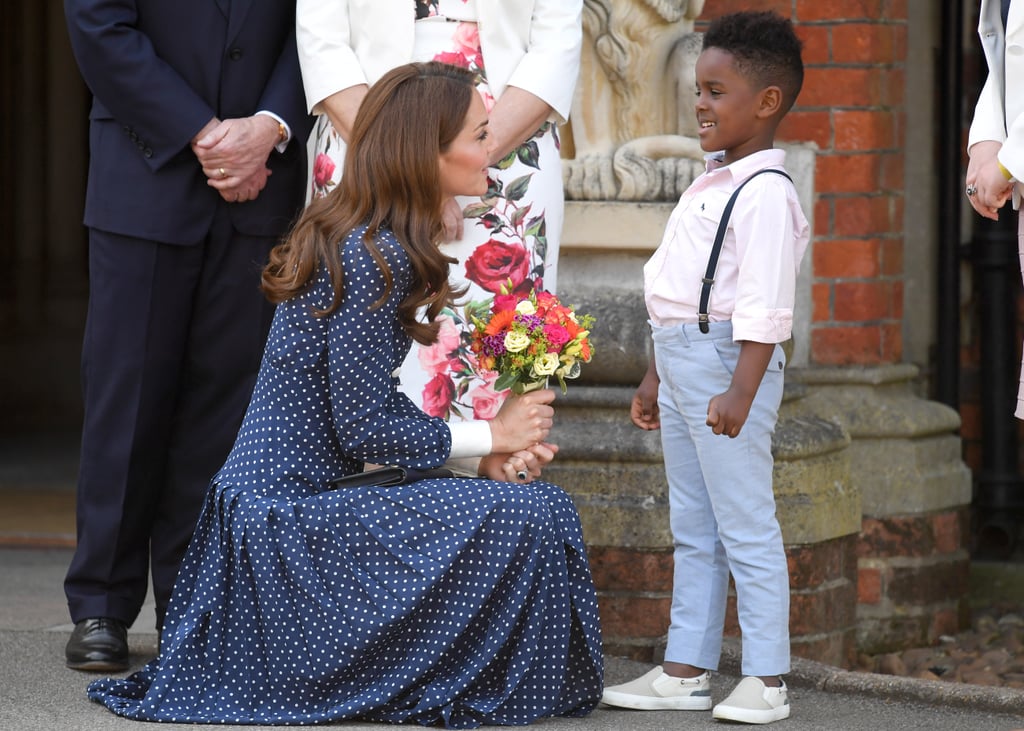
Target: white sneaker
[
  {"x": 751, "y": 701},
  {"x": 657, "y": 691}
]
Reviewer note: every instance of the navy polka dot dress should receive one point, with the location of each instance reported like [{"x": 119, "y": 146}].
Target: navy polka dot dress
[{"x": 454, "y": 602}]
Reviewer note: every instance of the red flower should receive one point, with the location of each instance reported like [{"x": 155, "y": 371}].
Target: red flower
[
  {"x": 323, "y": 169},
  {"x": 495, "y": 262},
  {"x": 453, "y": 59},
  {"x": 438, "y": 395},
  {"x": 556, "y": 335},
  {"x": 504, "y": 302}
]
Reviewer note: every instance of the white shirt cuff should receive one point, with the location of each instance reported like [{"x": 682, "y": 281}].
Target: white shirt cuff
[
  {"x": 470, "y": 439},
  {"x": 280, "y": 146}
]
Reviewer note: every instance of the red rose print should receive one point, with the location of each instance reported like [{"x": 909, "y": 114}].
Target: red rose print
[
  {"x": 453, "y": 59},
  {"x": 494, "y": 263},
  {"x": 323, "y": 169},
  {"x": 438, "y": 395}
]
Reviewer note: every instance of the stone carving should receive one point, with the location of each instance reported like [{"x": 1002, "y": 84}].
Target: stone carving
[{"x": 633, "y": 132}]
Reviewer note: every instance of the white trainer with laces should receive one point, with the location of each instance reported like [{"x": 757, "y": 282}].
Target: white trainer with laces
[
  {"x": 751, "y": 701},
  {"x": 657, "y": 691}
]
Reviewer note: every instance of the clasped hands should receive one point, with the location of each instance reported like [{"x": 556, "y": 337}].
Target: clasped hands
[
  {"x": 518, "y": 431},
  {"x": 986, "y": 186},
  {"x": 233, "y": 154}
]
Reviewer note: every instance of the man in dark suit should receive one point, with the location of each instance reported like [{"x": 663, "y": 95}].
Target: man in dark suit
[{"x": 197, "y": 168}]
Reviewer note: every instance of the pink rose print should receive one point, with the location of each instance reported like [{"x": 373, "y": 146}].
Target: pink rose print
[
  {"x": 487, "y": 401},
  {"x": 467, "y": 41},
  {"x": 323, "y": 170},
  {"x": 494, "y": 262},
  {"x": 437, "y": 357},
  {"x": 438, "y": 395}
]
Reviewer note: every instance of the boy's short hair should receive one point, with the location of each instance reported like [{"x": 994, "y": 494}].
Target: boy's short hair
[{"x": 765, "y": 48}]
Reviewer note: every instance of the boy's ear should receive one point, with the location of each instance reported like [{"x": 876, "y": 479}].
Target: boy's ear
[{"x": 771, "y": 101}]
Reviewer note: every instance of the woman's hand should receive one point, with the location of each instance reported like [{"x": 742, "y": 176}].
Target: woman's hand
[
  {"x": 522, "y": 421},
  {"x": 516, "y": 116},
  {"x": 987, "y": 187},
  {"x": 451, "y": 220},
  {"x": 523, "y": 466}
]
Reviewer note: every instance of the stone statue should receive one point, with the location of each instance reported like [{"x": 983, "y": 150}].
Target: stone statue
[{"x": 632, "y": 135}]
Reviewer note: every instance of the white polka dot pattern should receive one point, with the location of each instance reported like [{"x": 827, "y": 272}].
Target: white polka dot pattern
[{"x": 457, "y": 602}]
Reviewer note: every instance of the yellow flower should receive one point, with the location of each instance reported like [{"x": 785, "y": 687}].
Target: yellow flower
[
  {"x": 545, "y": 365},
  {"x": 516, "y": 341}
]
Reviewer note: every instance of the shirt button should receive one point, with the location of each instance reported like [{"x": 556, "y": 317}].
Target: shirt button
[{"x": 235, "y": 53}]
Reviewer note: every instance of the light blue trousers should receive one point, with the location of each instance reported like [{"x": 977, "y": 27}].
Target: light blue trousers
[{"x": 721, "y": 504}]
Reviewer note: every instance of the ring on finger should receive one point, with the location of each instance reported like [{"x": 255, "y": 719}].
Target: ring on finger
[
  {"x": 521, "y": 474},
  {"x": 223, "y": 172},
  {"x": 971, "y": 189}
]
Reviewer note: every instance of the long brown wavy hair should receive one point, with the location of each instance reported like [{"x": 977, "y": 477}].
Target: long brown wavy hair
[{"x": 391, "y": 180}]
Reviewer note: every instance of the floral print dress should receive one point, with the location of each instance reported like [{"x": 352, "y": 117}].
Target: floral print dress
[{"x": 510, "y": 234}]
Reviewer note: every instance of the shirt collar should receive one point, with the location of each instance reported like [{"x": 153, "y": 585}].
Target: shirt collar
[{"x": 746, "y": 166}]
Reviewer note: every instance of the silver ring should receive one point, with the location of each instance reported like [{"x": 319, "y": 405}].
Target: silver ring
[
  {"x": 521, "y": 474},
  {"x": 971, "y": 189}
]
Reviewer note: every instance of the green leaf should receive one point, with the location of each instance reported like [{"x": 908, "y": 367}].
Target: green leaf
[
  {"x": 506, "y": 162},
  {"x": 529, "y": 154},
  {"x": 476, "y": 210},
  {"x": 520, "y": 214},
  {"x": 505, "y": 380},
  {"x": 516, "y": 189}
]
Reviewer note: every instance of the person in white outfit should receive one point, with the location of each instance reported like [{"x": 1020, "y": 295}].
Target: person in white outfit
[
  {"x": 996, "y": 140},
  {"x": 525, "y": 56}
]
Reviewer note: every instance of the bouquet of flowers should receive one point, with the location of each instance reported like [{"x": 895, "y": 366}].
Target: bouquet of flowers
[{"x": 527, "y": 339}]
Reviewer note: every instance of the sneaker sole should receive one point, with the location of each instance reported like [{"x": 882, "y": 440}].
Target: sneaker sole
[
  {"x": 654, "y": 703},
  {"x": 750, "y": 715}
]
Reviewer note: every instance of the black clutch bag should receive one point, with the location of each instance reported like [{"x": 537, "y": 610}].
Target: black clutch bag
[{"x": 388, "y": 477}]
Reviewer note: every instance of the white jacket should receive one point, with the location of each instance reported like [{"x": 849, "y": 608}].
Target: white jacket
[
  {"x": 530, "y": 44},
  {"x": 999, "y": 116}
]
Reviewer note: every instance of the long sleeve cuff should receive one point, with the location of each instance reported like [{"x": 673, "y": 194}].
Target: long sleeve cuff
[
  {"x": 283, "y": 144},
  {"x": 470, "y": 439}
]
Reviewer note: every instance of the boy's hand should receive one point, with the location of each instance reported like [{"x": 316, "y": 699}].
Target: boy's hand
[
  {"x": 644, "y": 410},
  {"x": 727, "y": 413}
]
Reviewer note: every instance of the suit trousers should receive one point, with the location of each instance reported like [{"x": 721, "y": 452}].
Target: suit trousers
[
  {"x": 173, "y": 340},
  {"x": 721, "y": 504}
]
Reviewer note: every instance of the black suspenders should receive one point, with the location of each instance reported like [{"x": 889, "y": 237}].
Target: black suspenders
[{"x": 716, "y": 249}]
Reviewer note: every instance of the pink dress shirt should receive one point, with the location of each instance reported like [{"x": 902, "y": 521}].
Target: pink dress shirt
[{"x": 755, "y": 285}]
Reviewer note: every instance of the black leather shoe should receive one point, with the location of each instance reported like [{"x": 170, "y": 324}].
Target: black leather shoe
[{"x": 99, "y": 644}]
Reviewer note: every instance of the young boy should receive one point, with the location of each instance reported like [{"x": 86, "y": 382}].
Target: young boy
[{"x": 715, "y": 383}]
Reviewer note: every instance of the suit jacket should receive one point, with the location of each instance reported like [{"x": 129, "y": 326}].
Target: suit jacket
[
  {"x": 159, "y": 71},
  {"x": 531, "y": 44},
  {"x": 999, "y": 114}
]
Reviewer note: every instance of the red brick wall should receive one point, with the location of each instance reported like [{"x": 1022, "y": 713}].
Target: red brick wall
[{"x": 851, "y": 107}]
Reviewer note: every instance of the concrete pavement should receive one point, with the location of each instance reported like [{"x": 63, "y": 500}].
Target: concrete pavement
[{"x": 37, "y": 693}]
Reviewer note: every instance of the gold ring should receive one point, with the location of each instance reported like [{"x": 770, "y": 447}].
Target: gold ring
[{"x": 223, "y": 173}]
